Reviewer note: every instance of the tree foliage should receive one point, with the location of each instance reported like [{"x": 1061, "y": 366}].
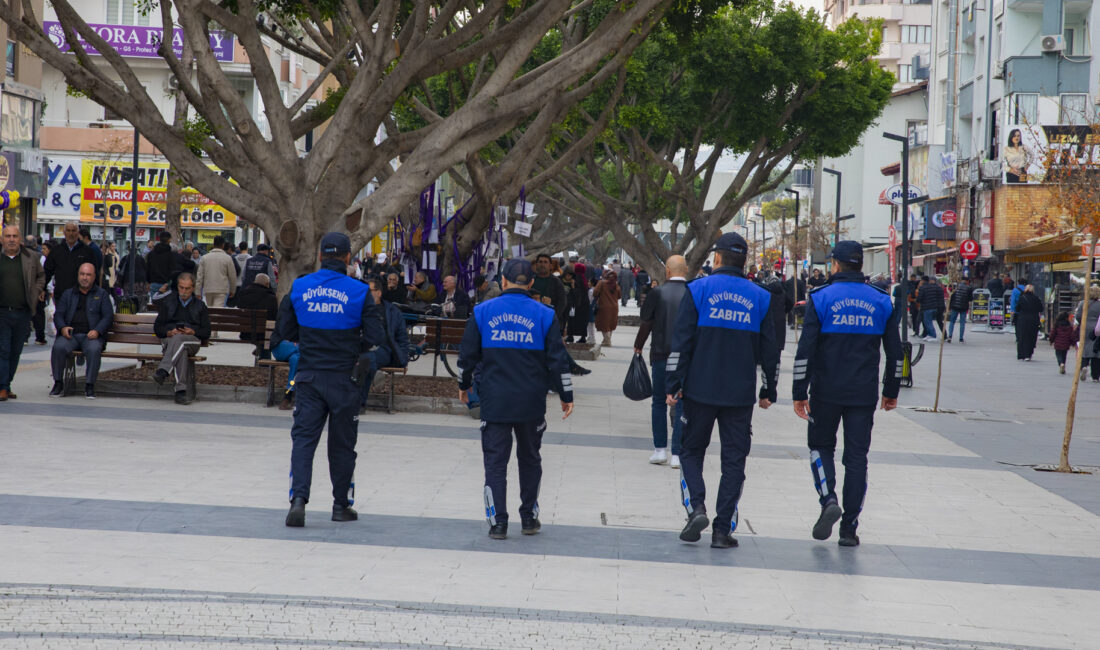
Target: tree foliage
[
  {"x": 767, "y": 84},
  {"x": 373, "y": 55}
]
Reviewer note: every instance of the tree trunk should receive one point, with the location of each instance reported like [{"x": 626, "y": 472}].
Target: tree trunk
[
  {"x": 172, "y": 206},
  {"x": 1071, "y": 408}
]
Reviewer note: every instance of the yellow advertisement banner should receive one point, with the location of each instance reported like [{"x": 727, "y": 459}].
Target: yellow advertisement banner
[{"x": 107, "y": 195}]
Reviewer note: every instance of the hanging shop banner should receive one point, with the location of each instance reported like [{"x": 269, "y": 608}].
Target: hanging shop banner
[
  {"x": 937, "y": 214},
  {"x": 138, "y": 41},
  {"x": 106, "y": 196}
]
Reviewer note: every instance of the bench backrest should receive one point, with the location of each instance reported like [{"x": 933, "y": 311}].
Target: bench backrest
[
  {"x": 136, "y": 329},
  {"x": 444, "y": 331},
  {"x": 241, "y": 321}
]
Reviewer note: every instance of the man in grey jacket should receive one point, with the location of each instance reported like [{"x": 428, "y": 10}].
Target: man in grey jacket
[
  {"x": 22, "y": 280},
  {"x": 659, "y": 312}
]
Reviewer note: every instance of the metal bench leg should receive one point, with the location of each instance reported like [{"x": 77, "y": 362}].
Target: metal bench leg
[
  {"x": 68, "y": 378},
  {"x": 393, "y": 380},
  {"x": 271, "y": 386},
  {"x": 192, "y": 382}
]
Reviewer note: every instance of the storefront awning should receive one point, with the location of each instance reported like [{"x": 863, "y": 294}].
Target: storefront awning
[
  {"x": 1051, "y": 248},
  {"x": 1074, "y": 267}
]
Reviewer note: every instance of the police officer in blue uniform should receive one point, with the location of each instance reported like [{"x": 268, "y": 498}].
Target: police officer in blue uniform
[
  {"x": 723, "y": 333},
  {"x": 333, "y": 319},
  {"x": 517, "y": 342},
  {"x": 838, "y": 361}
]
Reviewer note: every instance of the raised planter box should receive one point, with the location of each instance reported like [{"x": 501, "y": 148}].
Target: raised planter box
[
  {"x": 630, "y": 320},
  {"x": 107, "y": 387},
  {"x": 584, "y": 351}
]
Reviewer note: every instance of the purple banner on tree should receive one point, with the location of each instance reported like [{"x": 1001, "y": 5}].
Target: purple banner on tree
[{"x": 138, "y": 41}]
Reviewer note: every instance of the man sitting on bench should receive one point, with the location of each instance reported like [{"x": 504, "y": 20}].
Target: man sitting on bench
[
  {"x": 182, "y": 324},
  {"x": 394, "y": 351},
  {"x": 84, "y": 313}
]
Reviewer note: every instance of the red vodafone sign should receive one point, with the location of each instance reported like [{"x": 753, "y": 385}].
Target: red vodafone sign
[
  {"x": 949, "y": 217},
  {"x": 968, "y": 249}
]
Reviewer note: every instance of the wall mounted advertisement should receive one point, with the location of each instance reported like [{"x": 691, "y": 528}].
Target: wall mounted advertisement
[{"x": 1026, "y": 149}]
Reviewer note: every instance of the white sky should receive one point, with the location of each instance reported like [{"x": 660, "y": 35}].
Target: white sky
[{"x": 816, "y": 4}]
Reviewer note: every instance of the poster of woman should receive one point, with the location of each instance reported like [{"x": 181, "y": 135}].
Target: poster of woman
[{"x": 1021, "y": 155}]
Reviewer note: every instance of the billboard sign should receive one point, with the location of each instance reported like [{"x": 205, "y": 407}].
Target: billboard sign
[
  {"x": 138, "y": 41},
  {"x": 106, "y": 197},
  {"x": 935, "y": 225}
]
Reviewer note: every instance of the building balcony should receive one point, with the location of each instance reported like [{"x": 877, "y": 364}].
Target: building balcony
[
  {"x": 890, "y": 51},
  {"x": 888, "y": 13},
  {"x": 966, "y": 100},
  {"x": 968, "y": 24},
  {"x": 1048, "y": 75},
  {"x": 1036, "y": 6}
]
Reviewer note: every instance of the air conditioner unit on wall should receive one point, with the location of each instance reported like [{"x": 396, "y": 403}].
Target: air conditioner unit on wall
[
  {"x": 172, "y": 83},
  {"x": 1053, "y": 43},
  {"x": 999, "y": 70}
]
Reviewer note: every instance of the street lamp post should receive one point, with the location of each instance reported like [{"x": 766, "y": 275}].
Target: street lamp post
[
  {"x": 904, "y": 290},
  {"x": 836, "y": 213}
]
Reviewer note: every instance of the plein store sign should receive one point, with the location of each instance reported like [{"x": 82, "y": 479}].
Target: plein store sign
[{"x": 107, "y": 195}]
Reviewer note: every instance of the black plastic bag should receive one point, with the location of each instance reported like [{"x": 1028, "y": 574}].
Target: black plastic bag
[{"x": 637, "y": 386}]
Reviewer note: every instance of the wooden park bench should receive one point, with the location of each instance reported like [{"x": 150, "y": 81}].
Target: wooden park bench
[
  {"x": 227, "y": 324},
  {"x": 130, "y": 329},
  {"x": 442, "y": 337},
  {"x": 272, "y": 364}
]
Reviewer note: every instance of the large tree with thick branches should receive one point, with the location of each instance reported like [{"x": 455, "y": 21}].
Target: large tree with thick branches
[
  {"x": 376, "y": 54},
  {"x": 768, "y": 84}
]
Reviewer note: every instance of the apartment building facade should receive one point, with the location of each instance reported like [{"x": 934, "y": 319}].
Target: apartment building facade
[
  {"x": 90, "y": 148},
  {"x": 22, "y": 105}
]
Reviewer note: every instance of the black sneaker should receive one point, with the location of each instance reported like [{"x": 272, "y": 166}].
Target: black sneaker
[
  {"x": 182, "y": 398},
  {"x": 579, "y": 371},
  {"x": 830, "y": 513},
  {"x": 848, "y": 537},
  {"x": 696, "y": 523},
  {"x": 160, "y": 375},
  {"x": 499, "y": 531},
  {"x": 722, "y": 540},
  {"x": 296, "y": 518},
  {"x": 344, "y": 513},
  {"x": 89, "y": 391},
  {"x": 58, "y": 389},
  {"x": 531, "y": 526},
  {"x": 288, "y": 401}
]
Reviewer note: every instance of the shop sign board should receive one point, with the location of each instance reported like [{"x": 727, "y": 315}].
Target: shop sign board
[
  {"x": 979, "y": 304},
  {"x": 894, "y": 193},
  {"x": 106, "y": 195},
  {"x": 138, "y": 40},
  {"x": 968, "y": 249}
]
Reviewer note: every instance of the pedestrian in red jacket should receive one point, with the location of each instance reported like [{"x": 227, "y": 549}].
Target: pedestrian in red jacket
[{"x": 1063, "y": 336}]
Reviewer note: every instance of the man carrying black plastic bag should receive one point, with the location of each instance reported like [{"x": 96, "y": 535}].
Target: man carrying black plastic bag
[{"x": 637, "y": 386}]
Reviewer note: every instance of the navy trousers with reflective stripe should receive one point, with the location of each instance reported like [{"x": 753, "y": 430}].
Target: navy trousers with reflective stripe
[
  {"x": 496, "y": 449},
  {"x": 319, "y": 397},
  {"x": 735, "y": 434},
  {"x": 825, "y": 418}
]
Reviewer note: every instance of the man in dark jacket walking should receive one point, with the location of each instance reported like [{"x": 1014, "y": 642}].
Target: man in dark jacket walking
[
  {"x": 996, "y": 287},
  {"x": 162, "y": 264},
  {"x": 83, "y": 315},
  {"x": 21, "y": 283},
  {"x": 183, "y": 322},
  {"x": 960, "y": 305},
  {"x": 659, "y": 313},
  {"x": 930, "y": 297},
  {"x": 65, "y": 260}
]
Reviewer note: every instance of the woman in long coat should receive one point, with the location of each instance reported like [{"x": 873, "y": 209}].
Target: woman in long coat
[
  {"x": 578, "y": 319},
  {"x": 606, "y": 295},
  {"x": 1028, "y": 309},
  {"x": 1088, "y": 356}
]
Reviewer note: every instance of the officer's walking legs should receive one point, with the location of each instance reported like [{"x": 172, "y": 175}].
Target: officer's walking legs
[
  {"x": 529, "y": 462},
  {"x": 496, "y": 449},
  {"x": 334, "y": 399},
  {"x": 825, "y": 418},
  {"x": 310, "y": 413},
  {"x": 697, "y": 431},
  {"x": 735, "y": 432}
]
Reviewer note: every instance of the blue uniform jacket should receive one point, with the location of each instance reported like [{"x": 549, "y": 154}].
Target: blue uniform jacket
[
  {"x": 722, "y": 334},
  {"x": 517, "y": 341},
  {"x": 331, "y": 317},
  {"x": 838, "y": 354},
  {"x": 97, "y": 305}
]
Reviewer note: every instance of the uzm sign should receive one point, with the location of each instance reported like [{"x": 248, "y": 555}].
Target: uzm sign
[
  {"x": 894, "y": 193},
  {"x": 138, "y": 41}
]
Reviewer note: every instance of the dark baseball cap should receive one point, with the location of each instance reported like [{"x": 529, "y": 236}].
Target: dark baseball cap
[
  {"x": 847, "y": 251},
  {"x": 518, "y": 271},
  {"x": 262, "y": 247},
  {"x": 335, "y": 243},
  {"x": 731, "y": 242}
]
